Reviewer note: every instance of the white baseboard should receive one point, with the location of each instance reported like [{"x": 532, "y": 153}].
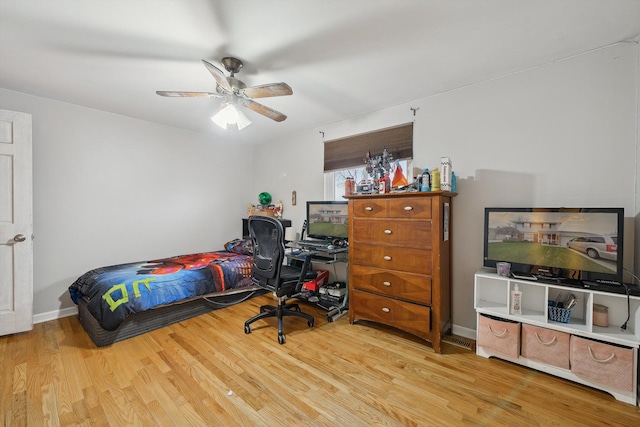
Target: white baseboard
[
  {"x": 72, "y": 311},
  {"x": 463, "y": 332},
  {"x": 56, "y": 314}
]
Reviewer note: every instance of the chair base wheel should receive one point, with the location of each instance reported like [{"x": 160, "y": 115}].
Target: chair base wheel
[{"x": 280, "y": 311}]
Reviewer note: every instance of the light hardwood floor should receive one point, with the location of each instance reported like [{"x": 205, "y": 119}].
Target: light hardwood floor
[{"x": 205, "y": 371}]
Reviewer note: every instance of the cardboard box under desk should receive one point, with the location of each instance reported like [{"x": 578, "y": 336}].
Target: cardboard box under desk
[{"x": 320, "y": 280}]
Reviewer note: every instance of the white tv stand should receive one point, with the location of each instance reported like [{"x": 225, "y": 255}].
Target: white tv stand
[{"x": 611, "y": 361}]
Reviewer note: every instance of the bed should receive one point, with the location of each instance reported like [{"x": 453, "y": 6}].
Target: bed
[{"x": 122, "y": 301}]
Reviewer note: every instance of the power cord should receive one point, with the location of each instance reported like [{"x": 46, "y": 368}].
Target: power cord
[
  {"x": 626, "y": 288},
  {"x": 243, "y": 298}
]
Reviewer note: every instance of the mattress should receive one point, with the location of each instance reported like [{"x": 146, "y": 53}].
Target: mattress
[
  {"x": 159, "y": 317},
  {"x": 120, "y": 301},
  {"x": 115, "y": 292}
]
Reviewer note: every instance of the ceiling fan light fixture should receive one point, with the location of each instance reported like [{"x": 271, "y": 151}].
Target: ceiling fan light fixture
[
  {"x": 237, "y": 95},
  {"x": 243, "y": 120},
  {"x": 230, "y": 115}
]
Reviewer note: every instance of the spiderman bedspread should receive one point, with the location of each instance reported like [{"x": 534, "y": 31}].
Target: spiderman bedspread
[{"x": 117, "y": 291}]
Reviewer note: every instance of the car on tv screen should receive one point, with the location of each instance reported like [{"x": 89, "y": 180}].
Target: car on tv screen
[{"x": 605, "y": 247}]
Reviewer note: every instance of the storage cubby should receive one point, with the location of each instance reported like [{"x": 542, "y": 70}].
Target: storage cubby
[
  {"x": 580, "y": 315},
  {"x": 618, "y": 317},
  {"x": 534, "y": 301},
  {"x": 493, "y": 298}
]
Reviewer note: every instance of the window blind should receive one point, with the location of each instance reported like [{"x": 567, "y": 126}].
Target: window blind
[{"x": 349, "y": 152}]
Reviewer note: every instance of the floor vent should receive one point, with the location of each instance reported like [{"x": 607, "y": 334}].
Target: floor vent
[{"x": 456, "y": 340}]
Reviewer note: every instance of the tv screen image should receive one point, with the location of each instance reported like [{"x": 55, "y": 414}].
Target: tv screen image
[
  {"x": 327, "y": 220},
  {"x": 573, "y": 243}
]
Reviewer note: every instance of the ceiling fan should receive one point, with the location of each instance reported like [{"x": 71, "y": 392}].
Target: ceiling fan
[{"x": 236, "y": 92}]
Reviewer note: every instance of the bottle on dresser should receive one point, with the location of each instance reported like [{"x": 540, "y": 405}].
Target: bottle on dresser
[
  {"x": 445, "y": 177},
  {"x": 425, "y": 181},
  {"x": 435, "y": 180}
]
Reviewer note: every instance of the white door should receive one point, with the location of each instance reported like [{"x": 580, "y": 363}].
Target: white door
[{"x": 16, "y": 223}]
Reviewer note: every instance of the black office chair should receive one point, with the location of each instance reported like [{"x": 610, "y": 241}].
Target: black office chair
[{"x": 269, "y": 272}]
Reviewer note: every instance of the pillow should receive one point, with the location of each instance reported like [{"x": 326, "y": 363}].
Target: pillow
[{"x": 239, "y": 246}]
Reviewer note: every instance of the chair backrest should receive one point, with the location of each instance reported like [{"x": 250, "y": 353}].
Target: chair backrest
[{"x": 267, "y": 235}]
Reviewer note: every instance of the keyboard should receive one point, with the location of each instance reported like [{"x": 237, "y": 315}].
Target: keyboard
[
  {"x": 313, "y": 243},
  {"x": 320, "y": 246}
]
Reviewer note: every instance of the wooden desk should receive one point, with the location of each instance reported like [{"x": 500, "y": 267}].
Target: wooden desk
[{"x": 331, "y": 256}]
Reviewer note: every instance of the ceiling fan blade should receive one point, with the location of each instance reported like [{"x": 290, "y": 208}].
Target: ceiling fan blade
[
  {"x": 188, "y": 94},
  {"x": 264, "y": 110},
  {"x": 265, "y": 91},
  {"x": 218, "y": 75}
]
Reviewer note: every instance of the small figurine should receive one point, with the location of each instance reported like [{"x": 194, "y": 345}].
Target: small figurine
[
  {"x": 378, "y": 166},
  {"x": 277, "y": 211}
]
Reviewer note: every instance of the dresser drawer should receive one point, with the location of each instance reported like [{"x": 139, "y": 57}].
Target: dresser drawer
[
  {"x": 501, "y": 336},
  {"x": 370, "y": 208},
  {"x": 415, "y": 234},
  {"x": 402, "y": 207},
  {"x": 410, "y": 207},
  {"x": 390, "y": 257},
  {"x": 410, "y": 287},
  {"x": 603, "y": 363},
  {"x": 545, "y": 345},
  {"x": 409, "y": 317}
]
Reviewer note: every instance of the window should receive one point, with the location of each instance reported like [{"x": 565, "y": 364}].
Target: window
[{"x": 344, "y": 157}]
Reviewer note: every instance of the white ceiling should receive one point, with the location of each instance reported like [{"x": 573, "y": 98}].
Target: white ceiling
[{"x": 342, "y": 58}]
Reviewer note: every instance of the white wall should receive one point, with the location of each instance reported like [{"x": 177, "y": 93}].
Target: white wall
[
  {"x": 110, "y": 189},
  {"x": 637, "y": 188},
  {"x": 563, "y": 134}
]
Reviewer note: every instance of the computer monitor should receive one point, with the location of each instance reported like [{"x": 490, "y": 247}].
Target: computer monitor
[{"x": 327, "y": 220}]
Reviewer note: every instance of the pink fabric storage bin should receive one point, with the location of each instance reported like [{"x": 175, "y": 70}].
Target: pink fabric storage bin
[
  {"x": 501, "y": 336},
  {"x": 603, "y": 363},
  {"x": 545, "y": 345}
]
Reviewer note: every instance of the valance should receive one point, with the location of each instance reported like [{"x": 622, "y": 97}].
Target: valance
[{"x": 349, "y": 152}]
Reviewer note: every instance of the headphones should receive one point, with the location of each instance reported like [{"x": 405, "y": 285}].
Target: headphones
[{"x": 340, "y": 243}]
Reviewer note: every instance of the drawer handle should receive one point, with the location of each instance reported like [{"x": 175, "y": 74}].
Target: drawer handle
[
  {"x": 408, "y": 208},
  {"x": 497, "y": 335},
  {"x": 385, "y": 309},
  {"x": 368, "y": 208},
  {"x": 386, "y": 283},
  {"x": 546, "y": 343},
  {"x": 387, "y": 258},
  {"x": 387, "y": 231},
  {"x": 600, "y": 360}
]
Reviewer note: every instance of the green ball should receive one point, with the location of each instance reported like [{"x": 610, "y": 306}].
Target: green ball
[{"x": 265, "y": 198}]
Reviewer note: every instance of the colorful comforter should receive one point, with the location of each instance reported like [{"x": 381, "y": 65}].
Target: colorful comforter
[{"x": 117, "y": 291}]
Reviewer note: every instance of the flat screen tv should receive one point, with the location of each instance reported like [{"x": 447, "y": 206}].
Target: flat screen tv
[
  {"x": 558, "y": 243},
  {"x": 327, "y": 220}
]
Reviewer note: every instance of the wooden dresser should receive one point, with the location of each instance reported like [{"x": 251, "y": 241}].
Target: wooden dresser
[{"x": 399, "y": 262}]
